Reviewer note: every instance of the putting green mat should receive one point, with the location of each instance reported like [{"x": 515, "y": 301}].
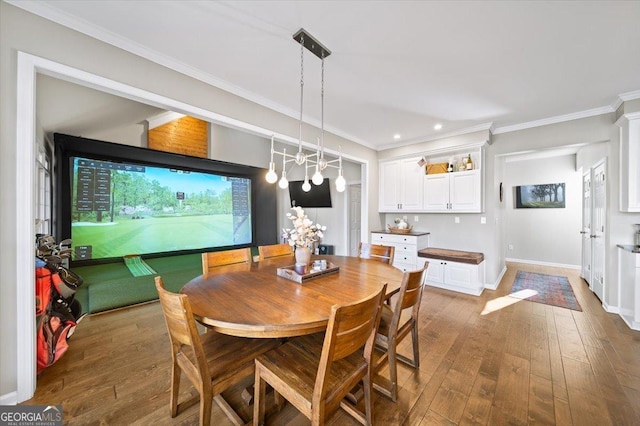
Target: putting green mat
[
  {"x": 137, "y": 266},
  {"x": 110, "y": 286}
]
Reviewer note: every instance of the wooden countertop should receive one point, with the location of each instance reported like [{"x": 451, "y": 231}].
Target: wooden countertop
[
  {"x": 412, "y": 233},
  {"x": 452, "y": 255}
]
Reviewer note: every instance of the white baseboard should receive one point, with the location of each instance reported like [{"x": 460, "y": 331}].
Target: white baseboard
[
  {"x": 495, "y": 285},
  {"x": 10, "y": 398},
  {"x": 535, "y": 262},
  {"x": 611, "y": 309}
]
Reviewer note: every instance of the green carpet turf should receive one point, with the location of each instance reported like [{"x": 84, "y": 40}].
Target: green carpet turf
[{"x": 111, "y": 285}]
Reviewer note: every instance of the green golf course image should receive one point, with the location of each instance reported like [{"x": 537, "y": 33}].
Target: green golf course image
[{"x": 159, "y": 234}]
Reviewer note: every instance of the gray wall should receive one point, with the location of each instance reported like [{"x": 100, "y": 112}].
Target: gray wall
[{"x": 550, "y": 236}]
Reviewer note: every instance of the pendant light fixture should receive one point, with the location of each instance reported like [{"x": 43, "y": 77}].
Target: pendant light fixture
[{"x": 315, "y": 161}]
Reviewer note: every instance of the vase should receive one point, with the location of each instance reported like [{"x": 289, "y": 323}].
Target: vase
[{"x": 303, "y": 256}]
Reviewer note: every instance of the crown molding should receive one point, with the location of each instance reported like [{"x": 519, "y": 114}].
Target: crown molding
[
  {"x": 554, "y": 120},
  {"x": 467, "y": 130}
]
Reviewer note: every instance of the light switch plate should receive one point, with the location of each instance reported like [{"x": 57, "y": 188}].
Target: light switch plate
[{"x": 456, "y": 219}]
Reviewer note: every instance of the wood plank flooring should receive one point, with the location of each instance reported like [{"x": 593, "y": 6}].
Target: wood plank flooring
[{"x": 482, "y": 362}]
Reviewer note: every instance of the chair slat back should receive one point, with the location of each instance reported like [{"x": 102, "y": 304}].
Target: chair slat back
[
  {"x": 275, "y": 250},
  {"x": 213, "y": 260},
  {"x": 381, "y": 253},
  {"x": 411, "y": 287},
  {"x": 351, "y": 327},
  {"x": 181, "y": 326}
]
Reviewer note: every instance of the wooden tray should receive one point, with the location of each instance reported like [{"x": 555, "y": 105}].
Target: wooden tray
[
  {"x": 396, "y": 230},
  {"x": 436, "y": 168},
  {"x": 290, "y": 273}
]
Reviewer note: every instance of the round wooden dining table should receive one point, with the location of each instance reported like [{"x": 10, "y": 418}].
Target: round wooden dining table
[{"x": 251, "y": 300}]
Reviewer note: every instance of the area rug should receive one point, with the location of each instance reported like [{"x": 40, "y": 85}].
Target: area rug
[{"x": 552, "y": 290}]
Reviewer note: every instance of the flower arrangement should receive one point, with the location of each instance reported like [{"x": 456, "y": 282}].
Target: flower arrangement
[{"x": 304, "y": 233}]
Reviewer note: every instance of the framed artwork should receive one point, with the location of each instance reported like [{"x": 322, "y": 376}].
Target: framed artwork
[{"x": 548, "y": 195}]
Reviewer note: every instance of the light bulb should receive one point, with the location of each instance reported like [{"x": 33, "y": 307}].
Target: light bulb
[
  {"x": 340, "y": 183},
  {"x": 317, "y": 177},
  {"x": 271, "y": 175},
  {"x": 306, "y": 186},
  {"x": 284, "y": 183}
]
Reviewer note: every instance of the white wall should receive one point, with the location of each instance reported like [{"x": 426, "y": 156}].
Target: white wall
[{"x": 546, "y": 235}]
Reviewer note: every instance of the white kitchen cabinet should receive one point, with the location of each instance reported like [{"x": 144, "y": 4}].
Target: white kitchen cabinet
[
  {"x": 406, "y": 247},
  {"x": 629, "y": 162},
  {"x": 449, "y": 274},
  {"x": 453, "y": 192},
  {"x": 629, "y": 278},
  {"x": 401, "y": 184}
]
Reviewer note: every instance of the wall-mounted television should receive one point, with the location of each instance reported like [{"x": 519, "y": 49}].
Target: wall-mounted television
[
  {"x": 318, "y": 196},
  {"x": 114, "y": 200}
]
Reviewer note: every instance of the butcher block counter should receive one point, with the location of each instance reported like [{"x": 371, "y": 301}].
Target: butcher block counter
[{"x": 455, "y": 270}]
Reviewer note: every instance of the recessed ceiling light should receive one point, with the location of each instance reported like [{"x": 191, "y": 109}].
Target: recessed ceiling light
[
  {"x": 437, "y": 126},
  {"x": 396, "y": 136}
]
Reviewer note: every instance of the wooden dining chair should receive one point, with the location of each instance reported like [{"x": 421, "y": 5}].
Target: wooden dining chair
[
  {"x": 213, "y": 260},
  {"x": 391, "y": 332},
  {"x": 377, "y": 252},
  {"x": 316, "y": 372},
  {"x": 212, "y": 362},
  {"x": 275, "y": 250}
]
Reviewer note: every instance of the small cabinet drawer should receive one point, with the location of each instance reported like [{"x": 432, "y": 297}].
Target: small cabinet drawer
[{"x": 392, "y": 238}]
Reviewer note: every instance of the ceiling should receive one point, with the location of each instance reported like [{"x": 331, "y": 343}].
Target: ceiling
[{"x": 396, "y": 67}]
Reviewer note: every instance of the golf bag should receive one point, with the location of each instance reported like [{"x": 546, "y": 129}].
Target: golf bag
[{"x": 57, "y": 310}]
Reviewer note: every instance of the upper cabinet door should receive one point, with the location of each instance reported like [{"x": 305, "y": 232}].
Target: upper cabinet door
[
  {"x": 411, "y": 185},
  {"x": 389, "y": 186},
  {"x": 629, "y": 162},
  {"x": 465, "y": 191},
  {"x": 436, "y": 192},
  {"x": 401, "y": 185}
]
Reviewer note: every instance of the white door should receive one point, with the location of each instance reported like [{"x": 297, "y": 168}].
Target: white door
[
  {"x": 586, "y": 228},
  {"x": 598, "y": 224},
  {"x": 354, "y": 219}
]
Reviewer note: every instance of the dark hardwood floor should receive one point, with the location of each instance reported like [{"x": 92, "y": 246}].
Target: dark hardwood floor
[{"x": 522, "y": 364}]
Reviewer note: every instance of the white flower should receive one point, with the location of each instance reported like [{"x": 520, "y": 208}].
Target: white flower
[{"x": 304, "y": 233}]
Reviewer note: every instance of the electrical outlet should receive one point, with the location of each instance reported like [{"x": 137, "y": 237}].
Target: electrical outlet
[
  {"x": 483, "y": 220},
  {"x": 416, "y": 218},
  {"x": 510, "y": 246},
  {"x": 404, "y": 217},
  {"x": 456, "y": 219}
]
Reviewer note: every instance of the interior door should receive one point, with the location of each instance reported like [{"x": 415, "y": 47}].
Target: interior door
[
  {"x": 585, "y": 272},
  {"x": 598, "y": 227},
  {"x": 354, "y": 219}
]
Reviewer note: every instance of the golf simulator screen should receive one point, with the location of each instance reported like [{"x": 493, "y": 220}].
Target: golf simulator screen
[{"x": 119, "y": 209}]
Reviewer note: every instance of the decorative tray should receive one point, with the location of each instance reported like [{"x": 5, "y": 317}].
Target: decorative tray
[
  {"x": 290, "y": 273},
  {"x": 396, "y": 230}
]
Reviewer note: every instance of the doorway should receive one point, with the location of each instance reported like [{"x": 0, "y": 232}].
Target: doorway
[
  {"x": 594, "y": 202},
  {"x": 354, "y": 212}
]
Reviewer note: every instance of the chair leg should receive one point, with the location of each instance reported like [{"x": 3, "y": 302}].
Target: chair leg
[
  {"x": 393, "y": 371},
  {"x": 416, "y": 350},
  {"x": 368, "y": 395},
  {"x": 260, "y": 389},
  {"x": 206, "y": 403},
  {"x": 175, "y": 389}
]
